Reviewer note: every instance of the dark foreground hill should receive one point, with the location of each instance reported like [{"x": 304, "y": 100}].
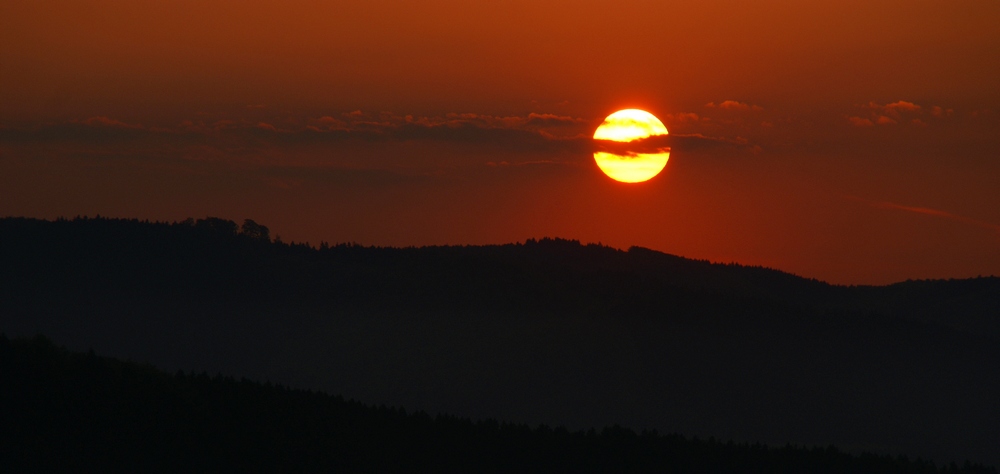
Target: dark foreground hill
[
  {"x": 76, "y": 412},
  {"x": 542, "y": 332}
]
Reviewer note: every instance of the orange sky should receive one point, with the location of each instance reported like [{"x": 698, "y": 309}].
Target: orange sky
[{"x": 855, "y": 142}]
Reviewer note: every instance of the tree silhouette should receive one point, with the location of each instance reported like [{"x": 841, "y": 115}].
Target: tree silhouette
[{"x": 255, "y": 231}]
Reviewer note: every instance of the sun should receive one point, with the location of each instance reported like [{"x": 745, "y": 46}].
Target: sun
[{"x": 630, "y": 164}]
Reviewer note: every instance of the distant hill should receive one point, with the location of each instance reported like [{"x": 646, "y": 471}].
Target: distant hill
[
  {"x": 214, "y": 254},
  {"x": 547, "y": 331},
  {"x": 77, "y": 412}
]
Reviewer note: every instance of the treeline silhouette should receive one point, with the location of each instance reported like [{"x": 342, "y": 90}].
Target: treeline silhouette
[
  {"x": 78, "y": 412},
  {"x": 546, "y": 331},
  {"x": 207, "y": 256}
]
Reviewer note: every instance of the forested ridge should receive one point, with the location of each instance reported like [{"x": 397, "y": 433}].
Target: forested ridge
[
  {"x": 546, "y": 331},
  {"x": 79, "y": 412},
  {"x": 215, "y": 255}
]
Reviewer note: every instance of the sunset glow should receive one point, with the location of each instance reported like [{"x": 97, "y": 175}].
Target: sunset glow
[
  {"x": 474, "y": 213},
  {"x": 795, "y": 141}
]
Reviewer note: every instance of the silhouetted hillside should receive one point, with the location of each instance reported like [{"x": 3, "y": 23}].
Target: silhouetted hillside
[
  {"x": 213, "y": 255},
  {"x": 76, "y": 412},
  {"x": 547, "y": 331}
]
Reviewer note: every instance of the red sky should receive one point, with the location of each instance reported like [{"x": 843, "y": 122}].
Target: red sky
[{"x": 854, "y": 142}]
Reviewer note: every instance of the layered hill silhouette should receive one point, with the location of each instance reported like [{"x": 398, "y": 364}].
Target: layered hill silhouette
[
  {"x": 74, "y": 412},
  {"x": 547, "y": 331}
]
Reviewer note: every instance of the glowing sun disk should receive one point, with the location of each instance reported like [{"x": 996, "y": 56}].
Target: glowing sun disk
[
  {"x": 626, "y": 126},
  {"x": 629, "y": 124}
]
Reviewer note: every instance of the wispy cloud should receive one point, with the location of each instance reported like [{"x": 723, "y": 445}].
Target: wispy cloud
[
  {"x": 891, "y": 206},
  {"x": 533, "y": 133},
  {"x": 108, "y": 122},
  {"x": 260, "y": 139}
]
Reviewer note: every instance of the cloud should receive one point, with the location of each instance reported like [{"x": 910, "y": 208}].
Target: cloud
[
  {"x": 734, "y": 105},
  {"x": 533, "y": 121},
  {"x": 901, "y": 111},
  {"x": 535, "y": 132},
  {"x": 938, "y": 213},
  {"x": 225, "y": 125},
  {"x": 551, "y": 119},
  {"x": 681, "y": 117},
  {"x": 527, "y": 163},
  {"x": 329, "y": 121},
  {"x": 651, "y": 145},
  {"x": 107, "y": 122},
  {"x": 94, "y": 130},
  {"x": 938, "y": 111},
  {"x": 861, "y": 122},
  {"x": 496, "y": 137},
  {"x": 891, "y": 206},
  {"x": 665, "y": 143},
  {"x": 893, "y": 111},
  {"x": 903, "y": 105}
]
